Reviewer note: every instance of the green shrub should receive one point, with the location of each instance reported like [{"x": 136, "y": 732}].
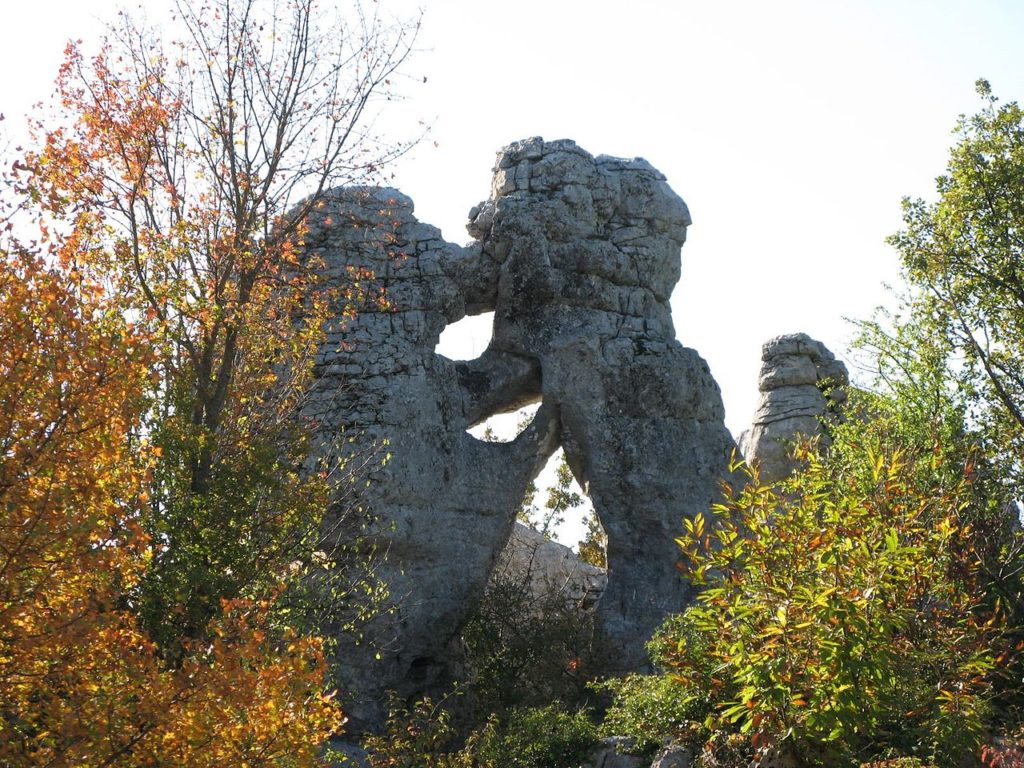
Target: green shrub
[
  {"x": 523, "y": 649},
  {"x": 652, "y": 709},
  {"x": 543, "y": 737},
  {"x": 417, "y": 737},
  {"x": 843, "y": 610},
  {"x": 846, "y": 614},
  {"x": 423, "y": 737}
]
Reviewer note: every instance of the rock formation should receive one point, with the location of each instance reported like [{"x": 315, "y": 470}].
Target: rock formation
[
  {"x": 577, "y": 256},
  {"x": 441, "y": 502},
  {"x": 550, "y": 568},
  {"x": 589, "y": 253},
  {"x": 801, "y": 385}
]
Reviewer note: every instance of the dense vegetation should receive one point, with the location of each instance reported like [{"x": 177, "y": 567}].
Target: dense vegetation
[{"x": 156, "y": 334}]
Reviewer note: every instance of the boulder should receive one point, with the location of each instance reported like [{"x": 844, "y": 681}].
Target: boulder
[
  {"x": 613, "y": 752},
  {"x": 673, "y": 756},
  {"x": 550, "y": 568}
]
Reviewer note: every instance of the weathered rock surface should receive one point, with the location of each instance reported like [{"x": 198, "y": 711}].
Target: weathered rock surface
[
  {"x": 673, "y": 756},
  {"x": 443, "y": 503},
  {"x": 613, "y": 752},
  {"x": 588, "y": 250},
  {"x": 550, "y": 568},
  {"x": 801, "y": 384},
  {"x": 577, "y": 256}
]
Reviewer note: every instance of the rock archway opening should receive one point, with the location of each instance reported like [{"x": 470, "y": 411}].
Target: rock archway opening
[
  {"x": 466, "y": 339},
  {"x": 505, "y": 427},
  {"x": 558, "y": 508}
]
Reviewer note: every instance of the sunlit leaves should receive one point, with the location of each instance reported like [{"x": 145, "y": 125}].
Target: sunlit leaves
[
  {"x": 962, "y": 254},
  {"x": 80, "y": 683},
  {"x": 839, "y": 607},
  {"x": 153, "y": 359}
]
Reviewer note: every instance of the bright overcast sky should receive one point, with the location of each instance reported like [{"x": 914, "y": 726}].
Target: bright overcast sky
[{"x": 792, "y": 129}]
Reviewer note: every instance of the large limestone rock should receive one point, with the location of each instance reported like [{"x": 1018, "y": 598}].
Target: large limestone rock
[
  {"x": 577, "y": 256},
  {"x": 549, "y": 568},
  {"x": 613, "y": 752},
  {"x": 801, "y": 385},
  {"x": 588, "y": 250},
  {"x": 442, "y": 503}
]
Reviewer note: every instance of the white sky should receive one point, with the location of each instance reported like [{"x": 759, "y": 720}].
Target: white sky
[{"x": 792, "y": 128}]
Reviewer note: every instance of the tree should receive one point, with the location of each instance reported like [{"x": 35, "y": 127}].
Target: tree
[
  {"x": 560, "y": 498},
  {"x": 155, "y": 341},
  {"x": 180, "y": 174},
  {"x": 926, "y": 403},
  {"x": 963, "y": 252},
  {"x": 593, "y": 547},
  {"x": 962, "y": 260},
  {"x": 80, "y": 682}
]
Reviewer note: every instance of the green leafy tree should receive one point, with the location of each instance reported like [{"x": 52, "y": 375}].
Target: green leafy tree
[
  {"x": 423, "y": 736},
  {"x": 863, "y": 609},
  {"x": 542, "y": 737},
  {"x": 963, "y": 253},
  {"x": 593, "y": 547},
  {"x": 418, "y": 736},
  {"x": 961, "y": 327},
  {"x": 562, "y": 497},
  {"x": 654, "y": 709}
]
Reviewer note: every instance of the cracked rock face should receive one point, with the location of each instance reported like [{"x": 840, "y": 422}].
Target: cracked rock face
[
  {"x": 588, "y": 250},
  {"x": 442, "y": 502},
  {"x": 577, "y": 257},
  {"x": 801, "y": 384},
  {"x": 548, "y": 567}
]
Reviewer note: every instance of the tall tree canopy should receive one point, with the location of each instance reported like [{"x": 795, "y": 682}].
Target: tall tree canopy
[
  {"x": 180, "y": 172},
  {"x": 965, "y": 252},
  {"x": 155, "y": 339}
]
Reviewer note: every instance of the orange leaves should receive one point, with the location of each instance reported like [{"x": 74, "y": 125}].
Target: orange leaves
[
  {"x": 245, "y": 701},
  {"x": 80, "y": 683},
  {"x": 166, "y": 189},
  {"x": 70, "y": 384}
]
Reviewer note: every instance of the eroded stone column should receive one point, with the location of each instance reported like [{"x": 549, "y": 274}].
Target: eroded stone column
[
  {"x": 443, "y": 503},
  {"x": 802, "y": 385},
  {"x": 589, "y": 254}
]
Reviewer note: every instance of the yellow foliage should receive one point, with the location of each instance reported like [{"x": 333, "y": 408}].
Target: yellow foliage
[{"x": 80, "y": 683}]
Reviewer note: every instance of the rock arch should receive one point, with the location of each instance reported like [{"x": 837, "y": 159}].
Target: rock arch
[{"x": 577, "y": 256}]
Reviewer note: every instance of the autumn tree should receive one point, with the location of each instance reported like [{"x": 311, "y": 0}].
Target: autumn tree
[
  {"x": 180, "y": 171},
  {"x": 81, "y": 683},
  {"x": 155, "y": 338}
]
